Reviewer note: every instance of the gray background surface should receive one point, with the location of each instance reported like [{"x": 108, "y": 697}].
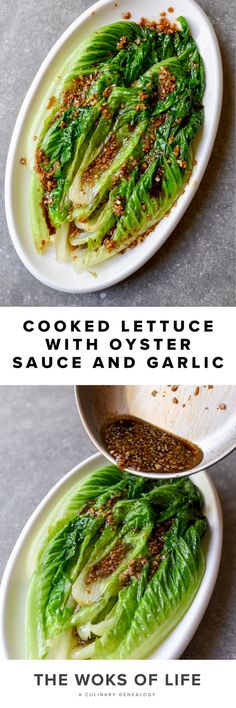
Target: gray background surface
[
  {"x": 42, "y": 438},
  {"x": 196, "y": 265}
]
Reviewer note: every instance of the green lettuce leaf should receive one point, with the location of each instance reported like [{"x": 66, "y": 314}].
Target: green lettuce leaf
[
  {"x": 166, "y": 598},
  {"x": 121, "y": 69},
  {"x": 75, "y": 610}
]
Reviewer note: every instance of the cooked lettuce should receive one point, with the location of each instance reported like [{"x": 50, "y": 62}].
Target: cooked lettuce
[
  {"x": 117, "y": 569},
  {"x": 115, "y": 151}
]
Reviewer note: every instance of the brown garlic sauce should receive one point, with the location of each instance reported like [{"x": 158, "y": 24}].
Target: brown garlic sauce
[{"x": 143, "y": 447}]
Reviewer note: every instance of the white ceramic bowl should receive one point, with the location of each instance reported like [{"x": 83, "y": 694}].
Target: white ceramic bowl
[
  {"x": 197, "y": 418},
  {"x": 45, "y": 268},
  {"x": 15, "y": 581}
]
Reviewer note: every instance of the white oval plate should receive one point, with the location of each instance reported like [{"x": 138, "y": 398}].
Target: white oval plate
[
  {"x": 15, "y": 581},
  {"x": 62, "y": 276}
]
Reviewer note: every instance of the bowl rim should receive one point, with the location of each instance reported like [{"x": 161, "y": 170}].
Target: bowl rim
[{"x": 203, "y": 465}]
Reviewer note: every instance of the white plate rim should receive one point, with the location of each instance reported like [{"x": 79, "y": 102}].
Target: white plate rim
[
  {"x": 174, "y": 216},
  {"x": 202, "y": 597}
]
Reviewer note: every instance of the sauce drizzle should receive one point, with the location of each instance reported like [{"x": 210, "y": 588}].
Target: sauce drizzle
[{"x": 138, "y": 445}]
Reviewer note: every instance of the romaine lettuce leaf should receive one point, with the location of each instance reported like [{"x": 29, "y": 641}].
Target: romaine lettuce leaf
[
  {"x": 117, "y": 569},
  {"x": 130, "y": 82},
  {"x": 166, "y": 598}
]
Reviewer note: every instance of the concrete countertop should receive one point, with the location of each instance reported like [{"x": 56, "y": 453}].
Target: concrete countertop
[
  {"x": 42, "y": 439},
  {"x": 196, "y": 265}
]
